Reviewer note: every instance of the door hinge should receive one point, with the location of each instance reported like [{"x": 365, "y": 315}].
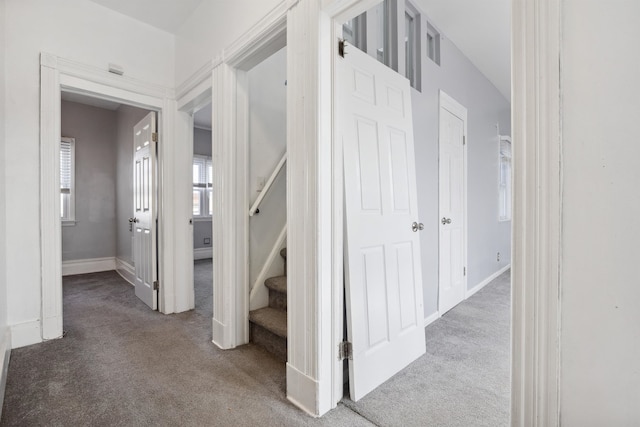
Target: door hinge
[
  {"x": 154, "y": 136},
  {"x": 464, "y": 139},
  {"x": 464, "y": 271},
  {"x": 341, "y": 46},
  {"x": 156, "y": 285},
  {"x": 345, "y": 351}
]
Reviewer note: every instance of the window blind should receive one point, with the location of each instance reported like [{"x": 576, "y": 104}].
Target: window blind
[{"x": 66, "y": 158}]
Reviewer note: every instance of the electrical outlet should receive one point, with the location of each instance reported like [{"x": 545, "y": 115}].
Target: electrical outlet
[
  {"x": 498, "y": 257},
  {"x": 207, "y": 241},
  {"x": 260, "y": 182}
]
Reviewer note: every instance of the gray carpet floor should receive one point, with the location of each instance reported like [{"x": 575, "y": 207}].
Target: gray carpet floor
[{"x": 122, "y": 364}]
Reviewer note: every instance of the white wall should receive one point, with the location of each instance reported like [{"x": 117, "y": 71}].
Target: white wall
[
  {"x": 202, "y": 227},
  {"x": 267, "y": 144},
  {"x": 79, "y": 30},
  {"x": 126, "y": 118},
  {"x": 5, "y": 337},
  {"x": 213, "y": 26},
  {"x": 600, "y": 285},
  {"x": 94, "y": 232}
]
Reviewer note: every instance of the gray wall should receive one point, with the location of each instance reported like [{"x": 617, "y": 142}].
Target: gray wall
[
  {"x": 126, "y": 118},
  {"x": 202, "y": 228},
  {"x": 268, "y": 142},
  {"x": 94, "y": 234},
  {"x": 486, "y": 107}
]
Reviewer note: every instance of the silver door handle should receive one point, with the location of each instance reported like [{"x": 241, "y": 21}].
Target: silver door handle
[
  {"x": 445, "y": 220},
  {"x": 415, "y": 226}
]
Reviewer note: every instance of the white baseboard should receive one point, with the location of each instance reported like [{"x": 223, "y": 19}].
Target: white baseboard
[
  {"x": 486, "y": 281},
  {"x": 24, "y": 334},
  {"x": 83, "y": 266},
  {"x": 432, "y": 318},
  {"x": 302, "y": 391},
  {"x": 202, "y": 253},
  {"x": 126, "y": 271},
  {"x": 5, "y": 354}
]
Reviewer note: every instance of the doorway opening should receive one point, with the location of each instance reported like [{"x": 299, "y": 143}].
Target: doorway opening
[
  {"x": 202, "y": 205},
  {"x": 399, "y": 36},
  {"x": 266, "y": 85},
  {"x": 107, "y": 205}
]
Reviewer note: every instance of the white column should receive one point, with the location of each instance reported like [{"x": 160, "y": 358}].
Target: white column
[
  {"x": 311, "y": 361},
  {"x": 536, "y": 215}
]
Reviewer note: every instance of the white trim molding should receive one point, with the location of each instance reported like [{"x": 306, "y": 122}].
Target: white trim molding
[
  {"x": 26, "y": 333},
  {"x": 126, "y": 271},
  {"x": 431, "y": 318},
  {"x": 536, "y": 226},
  {"x": 91, "y": 265},
  {"x": 5, "y": 355},
  {"x": 469, "y": 292}
]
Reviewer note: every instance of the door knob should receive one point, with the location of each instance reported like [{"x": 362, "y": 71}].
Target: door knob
[
  {"x": 415, "y": 226},
  {"x": 445, "y": 220},
  {"x": 134, "y": 220}
]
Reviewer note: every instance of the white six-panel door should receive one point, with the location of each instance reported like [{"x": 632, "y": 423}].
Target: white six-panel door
[
  {"x": 144, "y": 207},
  {"x": 383, "y": 270},
  {"x": 452, "y": 183}
]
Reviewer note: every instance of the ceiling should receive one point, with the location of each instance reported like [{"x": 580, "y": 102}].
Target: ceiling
[
  {"x": 481, "y": 29},
  {"x": 167, "y": 15},
  {"x": 202, "y": 117}
]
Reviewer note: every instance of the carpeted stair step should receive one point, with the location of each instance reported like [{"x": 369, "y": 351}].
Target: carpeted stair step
[
  {"x": 268, "y": 328},
  {"x": 277, "y": 292}
]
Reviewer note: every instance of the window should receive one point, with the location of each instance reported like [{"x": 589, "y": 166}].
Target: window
[
  {"x": 505, "y": 179},
  {"x": 384, "y": 33},
  {"x": 433, "y": 44},
  {"x": 67, "y": 179},
  {"x": 412, "y": 45},
  {"x": 202, "y": 186},
  {"x": 354, "y": 32}
]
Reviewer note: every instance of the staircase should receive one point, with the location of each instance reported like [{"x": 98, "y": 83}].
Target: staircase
[{"x": 268, "y": 325}]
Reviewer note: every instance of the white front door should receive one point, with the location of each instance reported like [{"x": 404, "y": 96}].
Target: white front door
[
  {"x": 144, "y": 207},
  {"x": 452, "y": 200},
  {"x": 383, "y": 271}
]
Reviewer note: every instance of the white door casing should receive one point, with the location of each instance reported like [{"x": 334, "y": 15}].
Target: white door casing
[
  {"x": 383, "y": 270},
  {"x": 452, "y": 203},
  {"x": 144, "y": 209}
]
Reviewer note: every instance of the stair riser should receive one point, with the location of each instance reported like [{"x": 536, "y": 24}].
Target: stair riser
[
  {"x": 273, "y": 343},
  {"x": 277, "y": 300}
]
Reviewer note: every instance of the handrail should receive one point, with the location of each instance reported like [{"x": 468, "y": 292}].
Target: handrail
[{"x": 267, "y": 185}]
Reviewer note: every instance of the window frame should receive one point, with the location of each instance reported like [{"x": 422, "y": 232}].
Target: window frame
[
  {"x": 70, "y": 218},
  {"x": 505, "y": 191},
  {"x": 205, "y": 188},
  {"x": 433, "y": 34},
  {"x": 415, "y": 46}
]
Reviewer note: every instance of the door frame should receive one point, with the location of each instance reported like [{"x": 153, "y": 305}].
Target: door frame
[
  {"x": 59, "y": 74},
  {"x": 536, "y": 236},
  {"x": 448, "y": 103},
  {"x": 193, "y": 94}
]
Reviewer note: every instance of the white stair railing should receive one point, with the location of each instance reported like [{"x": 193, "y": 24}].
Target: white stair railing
[{"x": 267, "y": 186}]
